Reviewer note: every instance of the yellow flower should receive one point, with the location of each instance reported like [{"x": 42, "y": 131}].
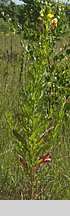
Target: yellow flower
[
  {"x": 54, "y": 23},
  {"x": 50, "y": 16}
]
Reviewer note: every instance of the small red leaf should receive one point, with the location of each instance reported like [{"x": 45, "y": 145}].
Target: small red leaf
[
  {"x": 41, "y": 164},
  {"x": 45, "y": 158}
]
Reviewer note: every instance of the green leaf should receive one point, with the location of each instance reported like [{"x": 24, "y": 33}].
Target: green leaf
[
  {"x": 22, "y": 120},
  {"x": 20, "y": 138},
  {"x": 45, "y": 135},
  {"x": 36, "y": 121}
]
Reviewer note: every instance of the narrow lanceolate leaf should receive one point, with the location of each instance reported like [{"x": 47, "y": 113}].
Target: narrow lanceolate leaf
[
  {"x": 17, "y": 135},
  {"x": 20, "y": 138},
  {"x": 44, "y": 136},
  {"x": 22, "y": 120},
  {"x": 23, "y": 161},
  {"x": 44, "y": 159}
]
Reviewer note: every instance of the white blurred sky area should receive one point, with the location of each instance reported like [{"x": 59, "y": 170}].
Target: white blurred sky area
[
  {"x": 18, "y": 2},
  {"x": 21, "y": 2}
]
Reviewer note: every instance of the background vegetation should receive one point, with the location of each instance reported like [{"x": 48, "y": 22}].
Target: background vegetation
[{"x": 34, "y": 100}]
